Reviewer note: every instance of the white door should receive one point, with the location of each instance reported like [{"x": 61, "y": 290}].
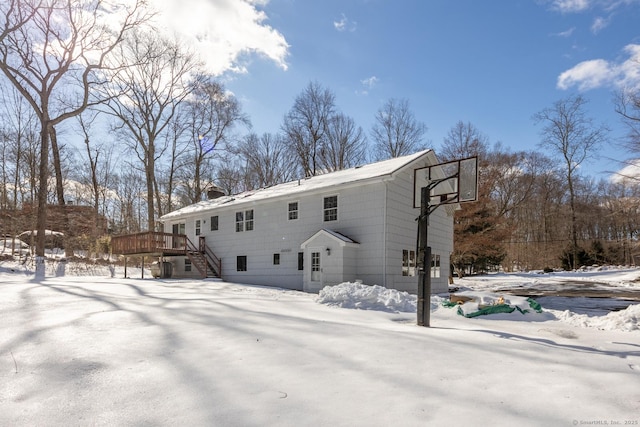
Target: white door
[{"x": 316, "y": 268}]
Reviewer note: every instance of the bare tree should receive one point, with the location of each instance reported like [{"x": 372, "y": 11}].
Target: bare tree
[
  {"x": 305, "y": 126},
  {"x": 211, "y": 115},
  {"x": 627, "y": 104},
  {"x": 52, "y": 52},
  {"x": 346, "y": 144},
  {"x": 268, "y": 159},
  {"x": 144, "y": 99},
  {"x": 569, "y": 133},
  {"x": 130, "y": 206},
  {"x": 178, "y": 145},
  {"x": 396, "y": 131},
  {"x": 19, "y": 124},
  {"x": 463, "y": 140},
  {"x": 98, "y": 163}
]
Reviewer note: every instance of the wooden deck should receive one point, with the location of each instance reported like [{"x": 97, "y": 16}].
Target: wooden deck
[
  {"x": 159, "y": 244},
  {"x": 150, "y": 243}
]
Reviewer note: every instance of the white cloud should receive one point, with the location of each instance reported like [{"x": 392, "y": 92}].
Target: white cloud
[
  {"x": 344, "y": 24},
  {"x": 586, "y": 75},
  {"x": 341, "y": 24},
  {"x": 577, "y": 6},
  {"x": 570, "y": 6},
  {"x": 224, "y": 32},
  {"x": 628, "y": 174},
  {"x": 566, "y": 33},
  {"x": 369, "y": 82},
  {"x": 367, "y": 85},
  {"x": 599, "y": 24},
  {"x": 599, "y": 72}
]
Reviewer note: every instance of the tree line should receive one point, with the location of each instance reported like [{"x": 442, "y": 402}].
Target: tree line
[{"x": 154, "y": 130}]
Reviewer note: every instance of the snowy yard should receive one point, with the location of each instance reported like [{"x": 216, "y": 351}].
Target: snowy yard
[{"x": 95, "y": 350}]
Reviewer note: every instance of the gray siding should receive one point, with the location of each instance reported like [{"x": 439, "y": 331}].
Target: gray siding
[{"x": 378, "y": 214}]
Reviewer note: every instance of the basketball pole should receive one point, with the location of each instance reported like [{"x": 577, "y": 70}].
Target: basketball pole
[
  {"x": 424, "y": 285},
  {"x": 469, "y": 182}
]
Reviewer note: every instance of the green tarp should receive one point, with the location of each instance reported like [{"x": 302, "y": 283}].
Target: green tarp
[{"x": 495, "y": 308}]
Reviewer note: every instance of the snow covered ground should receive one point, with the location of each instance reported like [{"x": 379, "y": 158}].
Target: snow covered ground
[{"x": 93, "y": 349}]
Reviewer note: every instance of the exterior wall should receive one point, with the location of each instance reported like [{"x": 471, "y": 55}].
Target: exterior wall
[
  {"x": 338, "y": 261},
  {"x": 379, "y": 215},
  {"x": 274, "y": 233},
  {"x": 178, "y": 268},
  {"x": 401, "y": 234}
]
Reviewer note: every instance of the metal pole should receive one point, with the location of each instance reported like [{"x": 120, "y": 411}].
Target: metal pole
[{"x": 424, "y": 256}]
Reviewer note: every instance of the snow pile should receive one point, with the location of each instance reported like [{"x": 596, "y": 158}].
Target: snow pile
[
  {"x": 367, "y": 297},
  {"x": 624, "y": 320}
]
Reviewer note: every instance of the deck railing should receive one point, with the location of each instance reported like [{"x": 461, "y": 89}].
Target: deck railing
[{"x": 149, "y": 242}]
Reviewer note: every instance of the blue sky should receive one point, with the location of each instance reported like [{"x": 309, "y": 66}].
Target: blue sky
[{"x": 492, "y": 63}]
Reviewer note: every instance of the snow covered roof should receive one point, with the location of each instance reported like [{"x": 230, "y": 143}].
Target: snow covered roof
[
  {"x": 35, "y": 233},
  {"x": 344, "y": 240},
  {"x": 342, "y": 177}
]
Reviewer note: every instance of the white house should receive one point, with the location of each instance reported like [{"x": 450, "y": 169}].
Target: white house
[{"x": 353, "y": 224}]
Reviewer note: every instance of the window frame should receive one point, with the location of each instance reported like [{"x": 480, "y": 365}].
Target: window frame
[
  {"x": 239, "y": 221},
  {"x": 276, "y": 259},
  {"x": 436, "y": 266},
  {"x": 214, "y": 223},
  {"x": 244, "y": 220},
  {"x": 198, "y": 227},
  {"x": 409, "y": 263},
  {"x": 330, "y": 213},
  {"x": 241, "y": 263},
  {"x": 248, "y": 222},
  {"x": 293, "y": 214},
  {"x": 179, "y": 228}
]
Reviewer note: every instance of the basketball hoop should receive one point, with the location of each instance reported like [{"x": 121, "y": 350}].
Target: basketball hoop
[
  {"x": 448, "y": 183},
  {"x": 442, "y": 184}
]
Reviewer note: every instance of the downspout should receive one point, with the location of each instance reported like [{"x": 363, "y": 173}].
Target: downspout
[{"x": 384, "y": 235}]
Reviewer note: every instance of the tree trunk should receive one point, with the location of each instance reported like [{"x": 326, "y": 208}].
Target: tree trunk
[
  {"x": 43, "y": 176},
  {"x": 150, "y": 176},
  {"x": 57, "y": 166}
]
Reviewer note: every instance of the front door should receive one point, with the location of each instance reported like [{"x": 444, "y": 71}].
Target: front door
[{"x": 316, "y": 268}]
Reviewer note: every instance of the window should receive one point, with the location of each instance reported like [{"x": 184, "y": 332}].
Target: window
[
  {"x": 187, "y": 264},
  {"x": 178, "y": 229},
  {"x": 293, "y": 210},
  {"x": 197, "y": 227},
  {"x": 408, "y": 263},
  {"x": 435, "y": 265},
  {"x": 214, "y": 223},
  {"x": 244, "y": 221},
  {"x": 239, "y": 222},
  {"x": 241, "y": 263},
  {"x": 276, "y": 259},
  {"x": 331, "y": 208},
  {"x": 248, "y": 220},
  {"x": 300, "y": 260}
]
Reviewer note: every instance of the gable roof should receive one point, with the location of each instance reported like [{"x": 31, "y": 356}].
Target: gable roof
[
  {"x": 341, "y": 177},
  {"x": 339, "y": 237}
]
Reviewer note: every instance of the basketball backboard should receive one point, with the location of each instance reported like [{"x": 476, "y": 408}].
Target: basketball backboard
[{"x": 450, "y": 182}]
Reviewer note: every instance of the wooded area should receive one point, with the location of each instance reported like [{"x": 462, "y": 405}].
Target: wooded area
[{"x": 108, "y": 114}]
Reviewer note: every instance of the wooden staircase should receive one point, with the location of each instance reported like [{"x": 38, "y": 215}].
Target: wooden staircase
[
  {"x": 159, "y": 244},
  {"x": 203, "y": 259}
]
